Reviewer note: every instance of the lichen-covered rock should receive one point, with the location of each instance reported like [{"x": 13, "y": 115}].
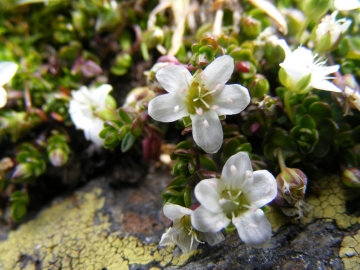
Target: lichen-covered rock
[{"x": 101, "y": 227}]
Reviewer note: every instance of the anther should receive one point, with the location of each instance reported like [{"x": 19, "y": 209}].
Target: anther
[
  {"x": 229, "y": 101},
  {"x": 215, "y": 107},
  {"x": 233, "y": 169},
  {"x": 218, "y": 87},
  {"x": 199, "y": 111},
  {"x": 249, "y": 174},
  {"x": 203, "y": 77},
  {"x": 206, "y": 123}
]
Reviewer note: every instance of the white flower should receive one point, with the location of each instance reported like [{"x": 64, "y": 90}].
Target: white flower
[
  {"x": 236, "y": 197},
  {"x": 299, "y": 72},
  {"x": 83, "y": 109},
  {"x": 7, "y": 71},
  {"x": 329, "y": 31},
  {"x": 204, "y": 97},
  {"x": 182, "y": 233},
  {"x": 346, "y": 4}
]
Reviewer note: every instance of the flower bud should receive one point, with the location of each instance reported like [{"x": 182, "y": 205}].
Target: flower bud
[
  {"x": 58, "y": 157},
  {"x": 259, "y": 86},
  {"x": 151, "y": 148},
  {"x": 291, "y": 185},
  {"x": 268, "y": 104},
  {"x": 153, "y": 37},
  {"x": 328, "y": 32},
  {"x": 137, "y": 97},
  {"x": 295, "y": 18},
  {"x": 90, "y": 69},
  {"x": 250, "y": 26},
  {"x": 22, "y": 173},
  {"x": 351, "y": 177}
]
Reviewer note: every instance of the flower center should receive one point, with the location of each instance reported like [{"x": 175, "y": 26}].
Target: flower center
[
  {"x": 198, "y": 98},
  {"x": 233, "y": 203}
]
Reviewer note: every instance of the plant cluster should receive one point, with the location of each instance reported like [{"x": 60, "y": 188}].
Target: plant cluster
[{"x": 268, "y": 90}]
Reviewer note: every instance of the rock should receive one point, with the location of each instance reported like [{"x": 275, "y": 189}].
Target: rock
[{"x": 105, "y": 227}]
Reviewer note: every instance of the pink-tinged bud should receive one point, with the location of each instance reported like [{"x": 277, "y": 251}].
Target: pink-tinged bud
[
  {"x": 242, "y": 66},
  {"x": 58, "y": 157},
  {"x": 291, "y": 185},
  {"x": 151, "y": 148},
  {"x": 168, "y": 59},
  {"x": 90, "y": 69},
  {"x": 351, "y": 177},
  {"x": 22, "y": 173}
]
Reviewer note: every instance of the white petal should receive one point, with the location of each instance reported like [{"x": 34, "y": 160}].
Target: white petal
[
  {"x": 3, "y": 97},
  {"x": 218, "y": 72},
  {"x": 236, "y": 179},
  {"x": 207, "y": 193},
  {"x": 263, "y": 189},
  {"x": 185, "y": 241},
  {"x": 325, "y": 85},
  {"x": 213, "y": 238},
  {"x": 166, "y": 238},
  {"x": 205, "y": 221},
  {"x": 323, "y": 71},
  {"x": 207, "y": 131},
  {"x": 282, "y": 43},
  {"x": 232, "y": 99},
  {"x": 7, "y": 71},
  {"x": 174, "y": 211},
  {"x": 174, "y": 79},
  {"x": 346, "y": 4},
  {"x": 81, "y": 114},
  {"x": 164, "y": 108},
  {"x": 253, "y": 228},
  {"x": 98, "y": 95},
  {"x": 92, "y": 134}
]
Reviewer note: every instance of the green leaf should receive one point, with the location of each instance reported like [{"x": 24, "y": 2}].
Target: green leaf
[
  {"x": 127, "y": 142},
  {"x": 208, "y": 164},
  {"x": 321, "y": 149},
  {"x": 184, "y": 144},
  {"x": 125, "y": 118},
  {"x": 172, "y": 192},
  {"x": 307, "y": 122},
  {"x": 328, "y": 129},
  {"x": 178, "y": 181},
  {"x": 18, "y": 211},
  {"x": 309, "y": 100},
  {"x": 187, "y": 197},
  {"x": 319, "y": 111},
  {"x": 230, "y": 146}
]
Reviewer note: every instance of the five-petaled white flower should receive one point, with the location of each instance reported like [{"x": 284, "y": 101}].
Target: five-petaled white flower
[
  {"x": 236, "y": 197},
  {"x": 329, "y": 32},
  {"x": 182, "y": 233},
  {"x": 83, "y": 109},
  {"x": 299, "y": 73},
  {"x": 204, "y": 97},
  {"x": 7, "y": 71}
]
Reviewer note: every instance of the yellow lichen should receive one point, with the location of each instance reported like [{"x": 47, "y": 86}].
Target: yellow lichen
[
  {"x": 75, "y": 234},
  {"x": 350, "y": 251}
]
